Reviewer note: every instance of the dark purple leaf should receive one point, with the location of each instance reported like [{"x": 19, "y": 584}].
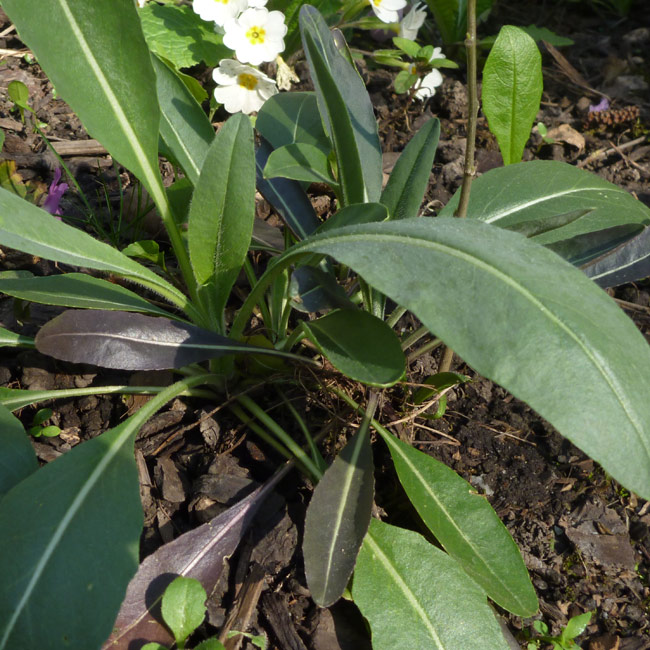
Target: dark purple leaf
[
  {"x": 198, "y": 554},
  {"x": 628, "y": 262},
  {"x": 130, "y": 341}
]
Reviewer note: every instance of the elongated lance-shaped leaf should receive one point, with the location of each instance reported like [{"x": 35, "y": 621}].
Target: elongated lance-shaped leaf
[
  {"x": 27, "y": 228},
  {"x": 128, "y": 341},
  {"x": 17, "y": 457},
  {"x": 100, "y": 64},
  {"x": 408, "y": 181},
  {"x": 79, "y": 515},
  {"x": 346, "y": 111},
  {"x": 75, "y": 290},
  {"x": 512, "y": 89},
  {"x": 199, "y": 553},
  {"x": 184, "y": 127},
  {"x": 414, "y": 595},
  {"x": 337, "y": 520},
  {"x": 286, "y": 196},
  {"x": 466, "y": 526},
  {"x": 222, "y": 211},
  {"x": 542, "y": 189},
  {"x": 546, "y": 332}
]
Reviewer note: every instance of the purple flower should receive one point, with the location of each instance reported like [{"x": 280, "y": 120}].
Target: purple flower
[
  {"x": 602, "y": 106},
  {"x": 56, "y": 191}
]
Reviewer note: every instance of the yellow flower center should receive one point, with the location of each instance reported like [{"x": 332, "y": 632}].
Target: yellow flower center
[
  {"x": 256, "y": 35},
  {"x": 223, "y": 2},
  {"x": 376, "y": 2},
  {"x": 247, "y": 81}
]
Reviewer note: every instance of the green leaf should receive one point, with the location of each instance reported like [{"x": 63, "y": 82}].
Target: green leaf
[
  {"x": 409, "y": 179},
  {"x": 184, "y": 127},
  {"x": 183, "y": 607},
  {"x": 312, "y": 289},
  {"x": 301, "y": 162},
  {"x": 78, "y": 515},
  {"x": 337, "y": 520},
  {"x": 75, "y": 290},
  {"x": 346, "y": 110},
  {"x": 414, "y": 595},
  {"x": 583, "y": 369},
  {"x": 404, "y": 81},
  {"x": 17, "y": 457},
  {"x": 512, "y": 89},
  {"x": 11, "y": 339},
  {"x": 27, "y": 228},
  {"x": 466, "y": 526},
  {"x": 541, "y": 189},
  {"x": 223, "y": 209},
  {"x": 538, "y": 34},
  {"x": 576, "y": 626},
  {"x": 408, "y": 46},
  {"x": 286, "y": 196},
  {"x": 350, "y": 339},
  {"x": 19, "y": 94},
  {"x": 451, "y": 17},
  {"x": 209, "y": 644},
  {"x": 111, "y": 87},
  {"x": 179, "y": 35},
  {"x": 287, "y": 118}
]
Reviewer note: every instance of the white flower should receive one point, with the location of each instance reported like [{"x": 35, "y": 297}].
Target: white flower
[
  {"x": 426, "y": 87},
  {"x": 256, "y": 4},
  {"x": 387, "y": 10},
  {"x": 256, "y": 36},
  {"x": 411, "y": 23},
  {"x": 218, "y": 11},
  {"x": 241, "y": 88},
  {"x": 437, "y": 54},
  {"x": 141, "y": 3}
]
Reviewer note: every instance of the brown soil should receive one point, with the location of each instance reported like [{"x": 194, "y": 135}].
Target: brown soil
[{"x": 585, "y": 539}]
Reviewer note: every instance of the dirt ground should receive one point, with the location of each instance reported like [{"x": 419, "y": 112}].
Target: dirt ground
[{"x": 584, "y": 538}]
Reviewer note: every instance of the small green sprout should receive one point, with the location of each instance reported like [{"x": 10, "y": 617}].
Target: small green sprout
[
  {"x": 566, "y": 640},
  {"x": 37, "y": 430},
  {"x": 183, "y": 610}
]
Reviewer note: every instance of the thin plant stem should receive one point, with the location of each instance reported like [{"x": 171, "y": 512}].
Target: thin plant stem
[
  {"x": 296, "y": 336},
  {"x": 469, "y": 169},
  {"x": 414, "y": 337},
  {"x": 427, "y": 347},
  {"x": 286, "y": 440},
  {"x": 395, "y": 315},
  {"x": 252, "y": 280}
]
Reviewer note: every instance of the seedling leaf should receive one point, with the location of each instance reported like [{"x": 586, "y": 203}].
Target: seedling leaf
[{"x": 183, "y": 607}]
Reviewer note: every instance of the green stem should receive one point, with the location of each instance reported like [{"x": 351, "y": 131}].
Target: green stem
[
  {"x": 414, "y": 337},
  {"x": 16, "y": 398},
  {"x": 427, "y": 347},
  {"x": 395, "y": 315},
  {"x": 469, "y": 170},
  {"x": 296, "y": 450},
  {"x": 297, "y": 335},
  {"x": 263, "y": 307}
]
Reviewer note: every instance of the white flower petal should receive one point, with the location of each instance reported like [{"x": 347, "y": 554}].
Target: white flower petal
[
  {"x": 218, "y": 11},
  {"x": 241, "y": 87},
  {"x": 387, "y": 10},
  {"x": 256, "y": 35},
  {"x": 411, "y": 23},
  {"x": 426, "y": 87}
]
